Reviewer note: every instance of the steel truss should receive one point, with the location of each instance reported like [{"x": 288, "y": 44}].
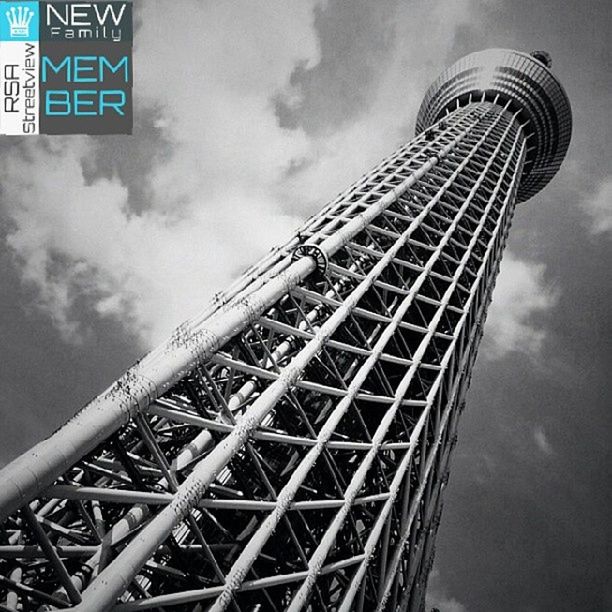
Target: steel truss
[{"x": 288, "y": 448}]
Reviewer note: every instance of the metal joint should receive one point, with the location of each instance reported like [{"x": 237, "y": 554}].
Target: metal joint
[{"x": 311, "y": 250}]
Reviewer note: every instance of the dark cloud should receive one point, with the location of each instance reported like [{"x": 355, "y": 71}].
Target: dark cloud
[
  {"x": 43, "y": 380},
  {"x": 524, "y": 528},
  {"x": 131, "y": 158},
  {"x": 356, "y": 39},
  {"x": 525, "y": 522}
]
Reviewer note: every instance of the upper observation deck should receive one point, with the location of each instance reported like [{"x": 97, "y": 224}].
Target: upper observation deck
[{"x": 527, "y": 83}]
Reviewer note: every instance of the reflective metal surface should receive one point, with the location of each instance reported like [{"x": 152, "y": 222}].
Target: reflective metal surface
[{"x": 528, "y": 84}]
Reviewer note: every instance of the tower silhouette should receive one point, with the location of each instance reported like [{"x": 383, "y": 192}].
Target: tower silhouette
[{"x": 288, "y": 448}]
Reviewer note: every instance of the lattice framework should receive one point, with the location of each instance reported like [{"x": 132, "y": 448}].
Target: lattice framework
[{"x": 296, "y": 459}]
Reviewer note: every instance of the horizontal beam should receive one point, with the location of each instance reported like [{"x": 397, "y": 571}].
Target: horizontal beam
[
  {"x": 184, "y": 597},
  {"x": 121, "y": 496}
]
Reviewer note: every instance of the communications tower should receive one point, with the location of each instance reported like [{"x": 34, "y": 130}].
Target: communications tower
[{"x": 288, "y": 448}]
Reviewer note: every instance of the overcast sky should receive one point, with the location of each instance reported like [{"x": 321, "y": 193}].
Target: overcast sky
[{"x": 249, "y": 116}]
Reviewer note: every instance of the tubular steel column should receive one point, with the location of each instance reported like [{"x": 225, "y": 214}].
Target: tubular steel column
[{"x": 288, "y": 448}]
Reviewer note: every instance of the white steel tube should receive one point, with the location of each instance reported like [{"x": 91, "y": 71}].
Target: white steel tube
[{"x": 30, "y": 473}]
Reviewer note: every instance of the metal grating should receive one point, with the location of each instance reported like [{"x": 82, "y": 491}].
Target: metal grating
[{"x": 289, "y": 448}]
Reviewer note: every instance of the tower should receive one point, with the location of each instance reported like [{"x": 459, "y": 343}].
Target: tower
[{"x": 288, "y": 447}]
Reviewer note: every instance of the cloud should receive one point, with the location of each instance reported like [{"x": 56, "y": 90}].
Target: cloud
[
  {"x": 520, "y": 294},
  {"x": 542, "y": 441},
  {"x": 145, "y": 229},
  {"x": 80, "y": 243},
  {"x": 60, "y": 225},
  {"x": 384, "y": 106},
  {"x": 437, "y": 596},
  {"x": 445, "y": 604},
  {"x": 330, "y": 94},
  {"x": 213, "y": 204},
  {"x": 599, "y": 207}
]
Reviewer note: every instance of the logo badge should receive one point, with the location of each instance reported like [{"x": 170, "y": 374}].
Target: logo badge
[
  {"x": 19, "y": 18},
  {"x": 65, "y": 67}
]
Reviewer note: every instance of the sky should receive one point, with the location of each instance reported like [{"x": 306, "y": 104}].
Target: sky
[{"x": 249, "y": 116}]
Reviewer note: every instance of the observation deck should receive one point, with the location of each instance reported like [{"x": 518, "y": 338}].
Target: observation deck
[{"x": 526, "y": 81}]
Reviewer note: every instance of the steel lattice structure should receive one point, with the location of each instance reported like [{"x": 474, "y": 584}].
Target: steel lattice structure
[{"x": 288, "y": 448}]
